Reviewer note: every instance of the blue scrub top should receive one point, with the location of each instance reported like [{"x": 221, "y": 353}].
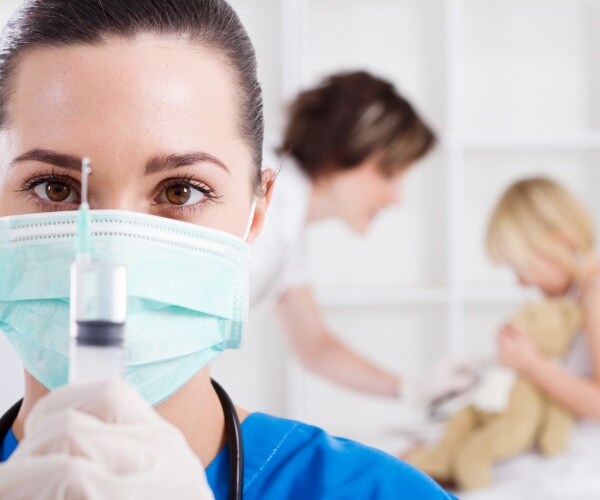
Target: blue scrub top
[{"x": 288, "y": 459}]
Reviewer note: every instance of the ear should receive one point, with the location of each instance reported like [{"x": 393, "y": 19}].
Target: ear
[{"x": 262, "y": 204}]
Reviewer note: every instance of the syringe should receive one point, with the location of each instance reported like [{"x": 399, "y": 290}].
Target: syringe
[{"x": 98, "y": 304}]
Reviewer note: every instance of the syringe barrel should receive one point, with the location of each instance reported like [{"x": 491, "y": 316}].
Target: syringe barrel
[{"x": 98, "y": 307}]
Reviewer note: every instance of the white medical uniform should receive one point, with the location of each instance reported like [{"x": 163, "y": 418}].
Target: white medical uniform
[{"x": 278, "y": 253}]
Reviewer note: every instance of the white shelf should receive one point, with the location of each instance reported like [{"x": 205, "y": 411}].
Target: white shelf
[
  {"x": 583, "y": 140},
  {"x": 505, "y": 295},
  {"x": 442, "y": 296},
  {"x": 339, "y": 297}
]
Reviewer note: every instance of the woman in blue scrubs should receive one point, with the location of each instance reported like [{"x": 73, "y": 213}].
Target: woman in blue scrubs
[{"x": 163, "y": 96}]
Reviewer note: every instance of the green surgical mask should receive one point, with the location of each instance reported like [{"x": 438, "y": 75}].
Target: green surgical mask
[{"x": 187, "y": 293}]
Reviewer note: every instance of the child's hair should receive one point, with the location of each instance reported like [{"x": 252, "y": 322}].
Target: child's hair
[{"x": 538, "y": 216}]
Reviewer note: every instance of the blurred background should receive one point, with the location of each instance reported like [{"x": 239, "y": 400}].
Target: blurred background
[{"x": 512, "y": 87}]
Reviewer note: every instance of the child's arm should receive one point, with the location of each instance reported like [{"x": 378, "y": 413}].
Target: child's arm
[{"x": 578, "y": 394}]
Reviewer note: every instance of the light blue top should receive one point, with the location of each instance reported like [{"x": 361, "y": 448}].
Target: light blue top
[{"x": 285, "y": 459}]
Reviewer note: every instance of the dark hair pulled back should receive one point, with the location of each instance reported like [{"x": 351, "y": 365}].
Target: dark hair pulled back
[{"x": 210, "y": 23}]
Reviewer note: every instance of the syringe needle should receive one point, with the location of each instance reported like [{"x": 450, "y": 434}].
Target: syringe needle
[
  {"x": 85, "y": 172},
  {"x": 84, "y": 236}
]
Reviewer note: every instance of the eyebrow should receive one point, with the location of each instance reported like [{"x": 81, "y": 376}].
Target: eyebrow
[
  {"x": 69, "y": 162},
  {"x": 159, "y": 163},
  {"x": 165, "y": 162}
]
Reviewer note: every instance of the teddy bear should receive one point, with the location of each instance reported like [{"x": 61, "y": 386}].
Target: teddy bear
[{"x": 481, "y": 434}]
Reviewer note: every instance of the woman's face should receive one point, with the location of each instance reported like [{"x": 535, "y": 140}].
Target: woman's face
[
  {"x": 159, "y": 119},
  {"x": 359, "y": 194}
]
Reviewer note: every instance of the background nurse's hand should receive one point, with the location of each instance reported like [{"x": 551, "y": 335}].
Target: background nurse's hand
[
  {"x": 101, "y": 440},
  {"x": 449, "y": 377}
]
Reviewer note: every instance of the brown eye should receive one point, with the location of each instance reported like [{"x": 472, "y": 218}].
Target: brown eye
[
  {"x": 182, "y": 194},
  {"x": 57, "y": 191},
  {"x": 179, "y": 194}
]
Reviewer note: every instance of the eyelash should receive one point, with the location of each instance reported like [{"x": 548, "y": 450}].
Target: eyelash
[
  {"x": 188, "y": 180},
  {"x": 41, "y": 177}
]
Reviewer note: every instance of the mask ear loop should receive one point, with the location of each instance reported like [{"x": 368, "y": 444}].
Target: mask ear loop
[{"x": 250, "y": 220}]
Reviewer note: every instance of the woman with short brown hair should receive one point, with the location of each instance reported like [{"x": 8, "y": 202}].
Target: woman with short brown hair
[{"x": 347, "y": 146}]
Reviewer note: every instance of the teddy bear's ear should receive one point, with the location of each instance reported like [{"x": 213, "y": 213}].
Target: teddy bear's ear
[{"x": 551, "y": 324}]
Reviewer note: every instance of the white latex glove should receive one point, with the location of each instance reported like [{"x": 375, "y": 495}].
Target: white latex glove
[
  {"x": 101, "y": 440},
  {"x": 449, "y": 377}
]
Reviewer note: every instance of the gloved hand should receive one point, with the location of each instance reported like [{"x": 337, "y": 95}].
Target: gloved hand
[
  {"x": 449, "y": 377},
  {"x": 101, "y": 441}
]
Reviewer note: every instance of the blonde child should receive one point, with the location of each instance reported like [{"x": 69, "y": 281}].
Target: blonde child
[{"x": 545, "y": 235}]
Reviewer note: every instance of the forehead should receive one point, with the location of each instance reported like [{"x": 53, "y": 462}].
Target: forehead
[{"x": 150, "y": 91}]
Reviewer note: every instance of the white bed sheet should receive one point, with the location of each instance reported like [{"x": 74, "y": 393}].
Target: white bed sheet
[{"x": 573, "y": 475}]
